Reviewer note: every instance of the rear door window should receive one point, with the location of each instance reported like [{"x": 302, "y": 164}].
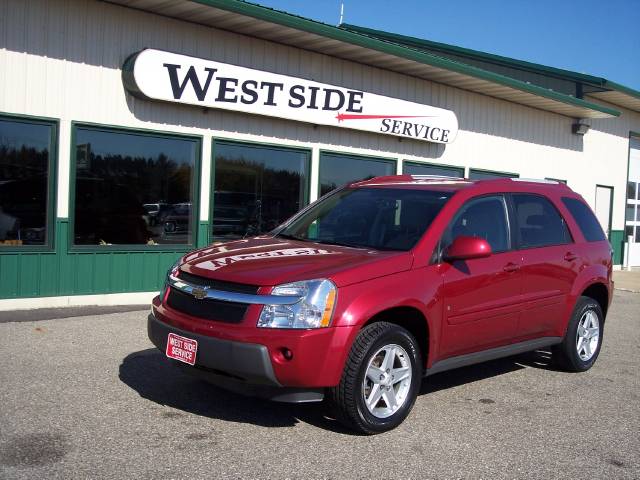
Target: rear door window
[
  {"x": 538, "y": 222},
  {"x": 586, "y": 220}
]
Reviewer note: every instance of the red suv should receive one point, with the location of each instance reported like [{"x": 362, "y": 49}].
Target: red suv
[{"x": 380, "y": 283}]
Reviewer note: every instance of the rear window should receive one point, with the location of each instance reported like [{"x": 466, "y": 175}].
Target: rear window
[
  {"x": 585, "y": 219},
  {"x": 539, "y": 223}
]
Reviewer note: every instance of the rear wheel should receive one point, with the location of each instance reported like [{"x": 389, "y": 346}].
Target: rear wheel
[
  {"x": 581, "y": 345},
  {"x": 380, "y": 381}
]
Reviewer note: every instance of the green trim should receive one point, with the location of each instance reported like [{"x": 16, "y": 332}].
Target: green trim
[
  {"x": 328, "y": 31},
  {"x": 616, "y": 239},
  {"x": 52, "y": 182},
  {"x": 358, "y": 155},
  {"x": 45, "y": 274},
  {"x": 476, "y": 54},
  {"x": 195, "y": 186},
  {"x": 621, "y": 88},
  {"x": 252, "y": 144},
  {"x": 496, "y": 172},
  {"x": 430, "y": 164},
  {"x": 634, "y": 134},
  {"x": 203, "y": 234}
]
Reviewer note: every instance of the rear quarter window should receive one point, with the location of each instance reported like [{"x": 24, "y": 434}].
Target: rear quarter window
[{"x": 586, "y": 220}]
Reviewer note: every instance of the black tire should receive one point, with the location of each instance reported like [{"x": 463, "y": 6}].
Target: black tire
[
  {"x": 565, "y": 355},
  {"x": 347, "y": 399}
]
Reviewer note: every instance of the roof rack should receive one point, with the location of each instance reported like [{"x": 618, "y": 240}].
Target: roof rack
[
  {"x": 536, "y": 180},
  {"x": 436, "y": 177}
]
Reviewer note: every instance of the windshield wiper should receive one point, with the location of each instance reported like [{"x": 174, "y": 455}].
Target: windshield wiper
[
  {"x": 340, "y": 244},
  {"x": 292, "y": 237}
]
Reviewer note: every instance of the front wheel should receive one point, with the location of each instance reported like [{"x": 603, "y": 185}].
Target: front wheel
[
  {"x": 380, "y": 381},
  {"x": 581, "y": 344}
]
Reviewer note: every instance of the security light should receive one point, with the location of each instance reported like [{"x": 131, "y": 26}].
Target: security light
[{"x": 580, "y": 127}]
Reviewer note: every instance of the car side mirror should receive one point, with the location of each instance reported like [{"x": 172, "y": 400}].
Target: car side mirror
[{"x": 465, "y": 248}]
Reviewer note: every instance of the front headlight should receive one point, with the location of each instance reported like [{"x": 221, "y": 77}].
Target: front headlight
[{"x": 314, "y": 310}]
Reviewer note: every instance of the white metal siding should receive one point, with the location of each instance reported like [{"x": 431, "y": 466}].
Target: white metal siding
[{"x": 62, "y": 59}]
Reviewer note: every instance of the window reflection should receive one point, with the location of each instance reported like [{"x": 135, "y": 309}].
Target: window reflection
[
  {"x": 489, "y": 175},
  {"x": 25, "y": 149},
  {"x": 337, "y": 169},
  {"x": 257, "y": 187},
  {"x": 411, "y": 168},
  {"x": 133, "y": 188}
]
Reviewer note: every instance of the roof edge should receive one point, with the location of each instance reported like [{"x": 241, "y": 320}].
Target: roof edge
[
  {"x": 593, "y": 80},
  {"x": 622, "y": 89},
  {"x": 312, "y": 26},
  {"x": 491, "y": 57}
]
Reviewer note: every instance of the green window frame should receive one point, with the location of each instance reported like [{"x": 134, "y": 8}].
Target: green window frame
[
  {"x": 357, "y": 156},
  {"x": 52, "y": 172},
  {"x": 258, "y": 145},
  {"x": 455, "y": 171},
  {"x": 495, "y": 173},
  {"x": 195, "y": 188}
]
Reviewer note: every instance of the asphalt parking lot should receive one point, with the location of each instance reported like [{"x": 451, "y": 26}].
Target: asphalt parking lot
[{"x": 88, "y": 397}]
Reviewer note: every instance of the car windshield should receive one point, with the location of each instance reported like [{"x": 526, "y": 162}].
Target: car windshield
[{"x": 376, "y": 218}]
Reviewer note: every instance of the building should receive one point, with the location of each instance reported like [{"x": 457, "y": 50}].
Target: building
[{"x": 132, "y": 131}]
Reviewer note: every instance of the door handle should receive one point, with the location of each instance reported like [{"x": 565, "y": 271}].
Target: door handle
[
  {"x": 511, "y": 267},
  {"x": 570, "y": 256}
]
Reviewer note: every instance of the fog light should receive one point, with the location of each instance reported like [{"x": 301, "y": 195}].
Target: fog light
[{"x": 286, "y": 353}]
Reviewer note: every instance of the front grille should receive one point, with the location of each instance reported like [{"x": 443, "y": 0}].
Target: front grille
[
  {"x": 208, "y": 309},
  {"x": 217, "y": 284}
]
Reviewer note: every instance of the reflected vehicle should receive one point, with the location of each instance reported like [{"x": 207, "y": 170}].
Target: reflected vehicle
[
  {"x": 239, "y": 214},
  {"x": 23, "y": 206},
  {"x": 155, "y": 212},
  {"x": 177, "y": 218},
  {"x": 232, "y": 213},
  {"x": 107, "y": 212}
]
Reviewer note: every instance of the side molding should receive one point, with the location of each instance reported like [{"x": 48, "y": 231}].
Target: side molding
[{"x": 491, "y": 354}]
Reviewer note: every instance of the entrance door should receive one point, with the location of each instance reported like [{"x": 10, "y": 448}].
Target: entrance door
[
  {"x": 604, "y": 200},
  {"x": 632, "y": 214}
]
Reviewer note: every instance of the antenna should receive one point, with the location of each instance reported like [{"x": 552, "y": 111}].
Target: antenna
[{"x": 341, "y": 13}]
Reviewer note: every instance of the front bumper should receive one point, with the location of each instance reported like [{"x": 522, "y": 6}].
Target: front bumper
[{"x": 237, "y": 366}]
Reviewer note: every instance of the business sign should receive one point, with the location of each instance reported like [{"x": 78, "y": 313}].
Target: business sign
[{"x": 158, "y": 75}]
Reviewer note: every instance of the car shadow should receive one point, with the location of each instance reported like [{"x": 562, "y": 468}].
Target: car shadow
[
  {"x": 154, "y": 378},
  {"x": 149, "y": 373},
  {"x": 540, "y": 359}
]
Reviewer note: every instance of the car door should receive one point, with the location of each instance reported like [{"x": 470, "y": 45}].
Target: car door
[
  {"x": 550, "y": 263},
  {"x": 481, "y": 296}
]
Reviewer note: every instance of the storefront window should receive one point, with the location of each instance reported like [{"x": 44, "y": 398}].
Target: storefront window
[
  {"x": 337, "y": 169},
  {"x": 413, "y": 168},
  {"x": 25, "y": 163},
  {"x": 488, "y": 175},
  {"x": 133, "y": 188},
  {"x": 257, "y": 187}
]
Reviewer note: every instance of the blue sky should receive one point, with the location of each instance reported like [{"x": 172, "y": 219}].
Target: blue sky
[{"x": 598, "y": 37}]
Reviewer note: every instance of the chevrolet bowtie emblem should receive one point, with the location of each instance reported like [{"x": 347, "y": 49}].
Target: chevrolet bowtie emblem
[{"x": 199, "y": 293}]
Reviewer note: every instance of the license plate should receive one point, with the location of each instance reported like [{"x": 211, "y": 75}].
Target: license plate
[{"x": 182, "y": 349}]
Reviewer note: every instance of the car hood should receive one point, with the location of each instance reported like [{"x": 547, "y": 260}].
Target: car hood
[{"x": 268, "y": 261}]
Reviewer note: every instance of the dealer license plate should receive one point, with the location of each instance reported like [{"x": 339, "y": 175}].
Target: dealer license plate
[{"x": 182, "y": 349}]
